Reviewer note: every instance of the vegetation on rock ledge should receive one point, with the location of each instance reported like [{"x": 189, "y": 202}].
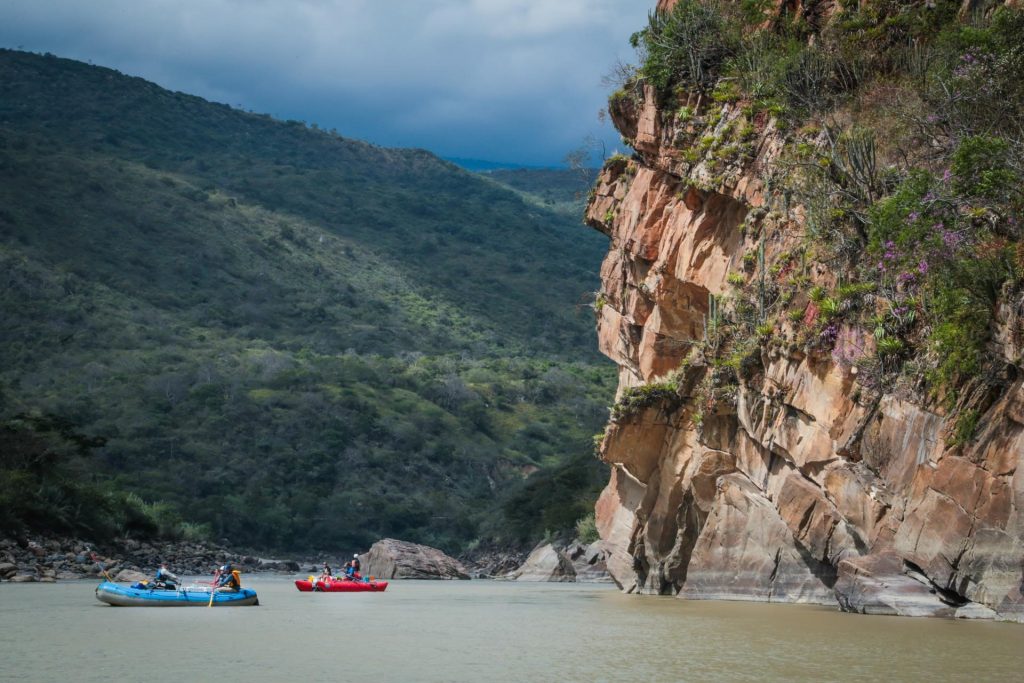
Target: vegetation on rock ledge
[{"x": 903, "y": 126}]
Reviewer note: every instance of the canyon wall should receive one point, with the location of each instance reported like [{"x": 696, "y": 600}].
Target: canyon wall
[{"x": 791, "y": 478}]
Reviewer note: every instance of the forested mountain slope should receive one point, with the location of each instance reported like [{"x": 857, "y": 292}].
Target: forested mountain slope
[{"x": 297, "y": 339}]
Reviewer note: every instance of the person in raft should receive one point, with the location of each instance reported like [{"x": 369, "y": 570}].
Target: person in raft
[
  {"x": 325, "y": 575},
  {"x": 229, "y": 578},
  {"x": 352, "y": 568},
  {"x": 166, "y": 578}
]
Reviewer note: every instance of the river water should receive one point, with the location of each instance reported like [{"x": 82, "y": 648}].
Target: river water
[{"x": 483, "y": 631}]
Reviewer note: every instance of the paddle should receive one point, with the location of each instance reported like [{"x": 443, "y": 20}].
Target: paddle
[
  {"x": 213, "y": 587},
  {"x": 103, "y": 567}
]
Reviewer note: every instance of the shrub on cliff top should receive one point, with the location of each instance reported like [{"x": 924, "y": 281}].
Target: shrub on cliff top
[{"x": 685, "y": 46}]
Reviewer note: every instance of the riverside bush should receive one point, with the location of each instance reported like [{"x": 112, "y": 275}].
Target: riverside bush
[{"x": 586, "y": 529}]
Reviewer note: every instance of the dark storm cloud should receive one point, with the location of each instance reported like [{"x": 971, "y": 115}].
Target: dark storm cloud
[{"x": 515, "y": 80}]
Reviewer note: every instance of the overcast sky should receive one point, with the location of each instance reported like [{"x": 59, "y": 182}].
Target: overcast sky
[{"x": 505, "y": 80}]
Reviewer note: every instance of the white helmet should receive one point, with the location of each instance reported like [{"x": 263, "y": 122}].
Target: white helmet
[{"x": 355, "y": 555}]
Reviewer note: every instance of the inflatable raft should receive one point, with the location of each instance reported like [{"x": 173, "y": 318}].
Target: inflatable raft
[
  {"x": 188, "y": 596},
  {"x": 340, "y": 586}
]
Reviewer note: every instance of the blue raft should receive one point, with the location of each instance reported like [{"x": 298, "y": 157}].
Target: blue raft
[{"x": 189, "y": 596}]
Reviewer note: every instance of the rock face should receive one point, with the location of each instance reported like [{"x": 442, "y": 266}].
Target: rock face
[
  {"x": 802, "y": 485},
  {"x": 393, "y": 559}
]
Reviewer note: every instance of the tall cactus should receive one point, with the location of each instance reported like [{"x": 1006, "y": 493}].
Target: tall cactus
[
  {"x": 861, "y": 162},
  {"x": 760, "y": 282},
  {"x": 711, "y": 323}
]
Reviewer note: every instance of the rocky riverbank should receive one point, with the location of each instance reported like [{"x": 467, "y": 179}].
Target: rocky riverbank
[
  {"x": 65, "y": 559},
  {"x": 48, "y": 560},
  {"x": 556, "y": 561}
]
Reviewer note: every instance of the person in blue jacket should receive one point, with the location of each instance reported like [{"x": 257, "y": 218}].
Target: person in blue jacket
[
  {"x": 165, "y": 578},
  {"x": 352, "y": 568}
]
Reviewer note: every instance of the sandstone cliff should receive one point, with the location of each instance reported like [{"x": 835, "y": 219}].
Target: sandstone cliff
[{"x": 770, "y": 467}]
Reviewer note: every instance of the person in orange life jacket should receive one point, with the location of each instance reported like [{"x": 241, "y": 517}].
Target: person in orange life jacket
[
  {"x": 228, "y": 578},
  {"x": 352, "y": 568}
]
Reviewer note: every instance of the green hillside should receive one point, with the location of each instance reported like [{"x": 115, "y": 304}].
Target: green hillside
[
  {"x": 558, "y": 189},
  {"x": 299, "y": 340}
]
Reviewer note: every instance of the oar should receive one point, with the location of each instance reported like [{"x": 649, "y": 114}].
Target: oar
[
  {"x": 103, "y": 568},
  {"x": 213, "y": 587}
]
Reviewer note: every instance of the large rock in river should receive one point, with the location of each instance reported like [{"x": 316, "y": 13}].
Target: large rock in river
[
  {"x": 394, "y": 559},
  {"x": 589, "y": 561},
  {"x": 546, "y": 563}
]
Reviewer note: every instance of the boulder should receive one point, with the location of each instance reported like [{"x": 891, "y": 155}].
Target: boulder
[
  {"x": 546, "y": 563},
  {"x": 23, "y": 578},
  {"x": 8, "y": 569},
  {"x": 591, "y": 565},
  {"x": 278, "y": 565},
  {"x": 393, "y": 559},
  {"x": 880, "y": 584},
  {"x": 130, "y": 576},
  {"x": 973, "y": 610}
]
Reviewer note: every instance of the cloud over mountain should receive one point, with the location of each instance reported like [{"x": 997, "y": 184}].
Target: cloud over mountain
[{"x": 515, "y": 80}]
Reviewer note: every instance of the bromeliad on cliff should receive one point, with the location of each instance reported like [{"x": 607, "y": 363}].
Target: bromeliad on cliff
[{"x": 814, "y": 295}]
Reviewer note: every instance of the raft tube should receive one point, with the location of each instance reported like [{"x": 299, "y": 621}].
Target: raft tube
[
  {"x": 341, "y": 586},
  {"x": 189, "y": 596}
]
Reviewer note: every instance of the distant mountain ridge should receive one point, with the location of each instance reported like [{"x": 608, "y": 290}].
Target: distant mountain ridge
[{"x": 478, "y": 165}]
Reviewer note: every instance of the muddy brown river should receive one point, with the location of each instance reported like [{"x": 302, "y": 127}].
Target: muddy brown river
[{"x": 483, "y": 631}]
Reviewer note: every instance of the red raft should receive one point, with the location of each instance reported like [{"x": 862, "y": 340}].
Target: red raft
[{"x": 341, "y": 586}]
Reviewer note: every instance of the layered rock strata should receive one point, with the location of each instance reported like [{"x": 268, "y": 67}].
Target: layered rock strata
[{"x": 800, "y": 483}]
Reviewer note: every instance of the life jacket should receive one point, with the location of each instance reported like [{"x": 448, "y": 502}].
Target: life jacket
[{"x": 236, "y": 579}]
